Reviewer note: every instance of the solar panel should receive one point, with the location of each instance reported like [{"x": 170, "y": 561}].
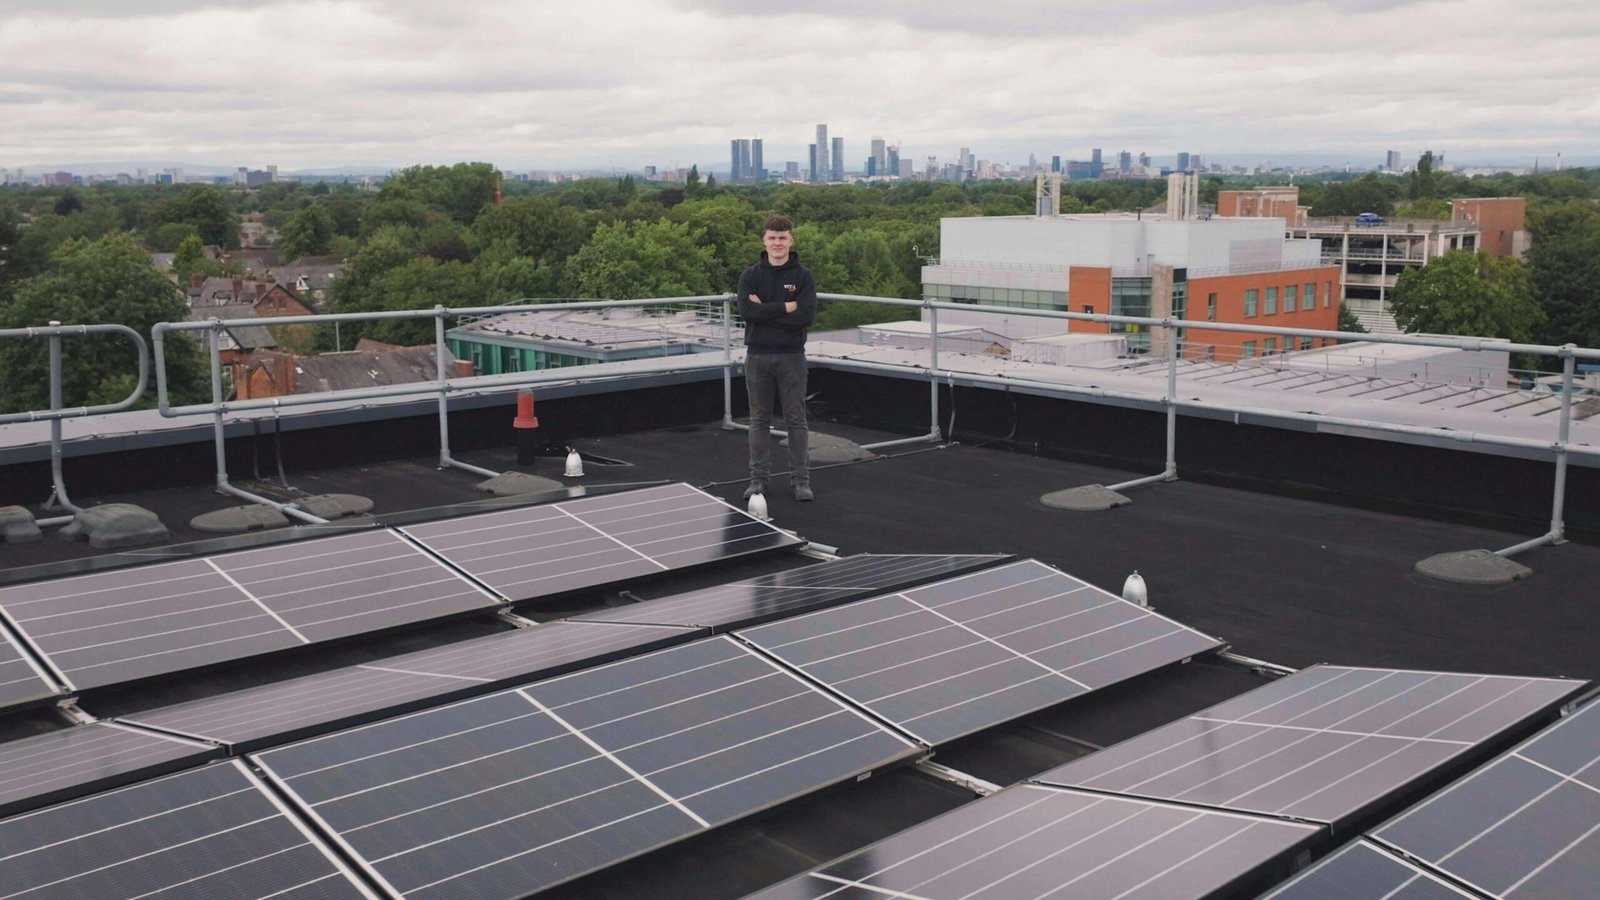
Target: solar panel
[
  {"x": 350, "y": 584},
  {"x": 126, "y": 624},
  {"x": 21, "y": 679},
  {"x": 505, "y": 795},
  {"x": 211, "y": 832},
  {"x": 57, "y": 765},
  {"x": 960, "y": 655},
  {"x": 328, "y": 701},
  {"x": 1035, "y": 842},
  {"x": 1527, "y": 825},
  {"x": 1361, "y": 872},
  {"x": 1327, "y": 744},
  {"x": 538, "y": 551},
  {"x": 751, "y": 602}
]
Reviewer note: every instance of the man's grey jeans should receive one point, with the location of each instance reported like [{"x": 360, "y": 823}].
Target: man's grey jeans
[{"x": 781, "y": 377}]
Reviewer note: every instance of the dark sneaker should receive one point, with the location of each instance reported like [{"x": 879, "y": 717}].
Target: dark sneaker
[
  {"x": 803, "y": 492},
  {"x": 755, "y": 488}
]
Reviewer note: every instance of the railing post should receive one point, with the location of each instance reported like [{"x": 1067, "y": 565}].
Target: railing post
[
  {"x": 1558, "y": 504},
  {"x": 442, "y": 380},
  {"x": 216, "y": 401},
  {"x": 933, "y": 374},
  {"x": 58, "y": 484},
  {"x": 1172, "y": 402},
  {"x": 727, "y": 364}
]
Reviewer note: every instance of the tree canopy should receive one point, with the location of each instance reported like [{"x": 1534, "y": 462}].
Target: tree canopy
[
  {"x": 1468, "y": 294},
  {"x": 107, "y": 280}
]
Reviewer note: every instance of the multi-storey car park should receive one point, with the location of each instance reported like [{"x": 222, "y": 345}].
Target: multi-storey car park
[{"x": 1364, "y": 629}]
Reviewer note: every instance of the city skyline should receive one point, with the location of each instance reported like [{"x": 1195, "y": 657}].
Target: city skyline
[{"x": 368, "y": 84}]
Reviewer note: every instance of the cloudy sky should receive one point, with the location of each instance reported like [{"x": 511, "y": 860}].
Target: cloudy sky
[{"x": 627, "y": 83}]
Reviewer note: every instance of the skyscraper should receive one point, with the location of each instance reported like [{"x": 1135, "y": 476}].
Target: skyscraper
[
  {"x": 879, "y": 160},
  {"x": 758, "y": 168},
  {"x": 836, "y": 173},
  {"x": 819, "y": 166}
]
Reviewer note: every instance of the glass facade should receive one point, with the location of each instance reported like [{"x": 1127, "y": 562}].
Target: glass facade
[
  {"x": 1131, "y": 297},
  {"x": 996, "y": 296}
]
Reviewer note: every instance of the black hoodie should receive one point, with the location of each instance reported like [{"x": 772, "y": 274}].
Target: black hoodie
[{"x": 768, "y": 329}]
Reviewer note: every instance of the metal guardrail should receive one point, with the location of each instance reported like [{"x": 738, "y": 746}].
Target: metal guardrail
[
  {"x": 444, "y": 385},
  {"x": 54, "y": 332}
]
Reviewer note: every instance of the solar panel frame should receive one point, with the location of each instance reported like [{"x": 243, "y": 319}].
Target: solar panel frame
[
  {"x": 162, "y": 838},
  {"x": 1526, "y": 824},
  {"x": 754, "y": 601},
  {"x": 1281, "y": 750},
  {"x": 72, "y": 762},
  {"x": 1030, "y": 841},
  {"x": 23, "y": 681},
  {"x": 513, "y": 774},
  {"x": 947, "y": 659},
  {"x": 1362, "y": 870},
  {"x": 329, "y": 701},
  {"x": 594, "y": 541}
]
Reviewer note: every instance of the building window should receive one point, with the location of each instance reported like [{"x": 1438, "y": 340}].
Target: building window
[
  {"x": 1211, "y": 307},
  {"x": 1247, "y": 350},
  {"x": 1250, "y": 304},
  {"x": 1272, "y": 302},
  {"x": 1290, "y": 294}
]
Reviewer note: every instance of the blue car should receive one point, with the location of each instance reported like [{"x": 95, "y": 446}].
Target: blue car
[{"x": 1369, "y": 219}]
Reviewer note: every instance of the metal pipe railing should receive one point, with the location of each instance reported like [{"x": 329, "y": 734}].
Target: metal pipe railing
[
  {"x": 54, "y": 332},
  {"x": 443, "y": 385}
]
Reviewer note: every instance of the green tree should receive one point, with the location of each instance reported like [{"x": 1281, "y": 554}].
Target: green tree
[
  {"x": 308, "y": 232},
  {"x": 643, "y": 259},
  {"x": 109, "y": 280},
  {"x": 460, "y": 191},
  {"x": 1564, "y": 262},
  {"x": 190, "y": 259},
  {"x": 210, "y": 212},
  {"x": 1467, "y": 294},
  {"x": 1352, "y": 198},
  {"x": 1422, "y": 185}
]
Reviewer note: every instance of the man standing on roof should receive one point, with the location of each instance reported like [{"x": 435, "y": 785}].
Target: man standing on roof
[{"x": 778, "y": 302}]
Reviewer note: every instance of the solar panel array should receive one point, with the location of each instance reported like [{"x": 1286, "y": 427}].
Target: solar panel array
[
  {"x": 316, "y": 704},
  {"x": 21, "y": 679},
  {"x": 1326, "y": 744},
  {"x": 211, "y": 832},
  {"x": 1035, "y": 842},
  {"x": 72, "y": 762},
  {"x": 537, "y": 551},
  {"x": 1525, "y": 826},
  {"x": 969, "y": 652},
  {"x": 1362, "y": 871},
  {"x": 507, "y": 794},
  {"x": 744, "y": 603},
  {"x": 127, "y": 624}
]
